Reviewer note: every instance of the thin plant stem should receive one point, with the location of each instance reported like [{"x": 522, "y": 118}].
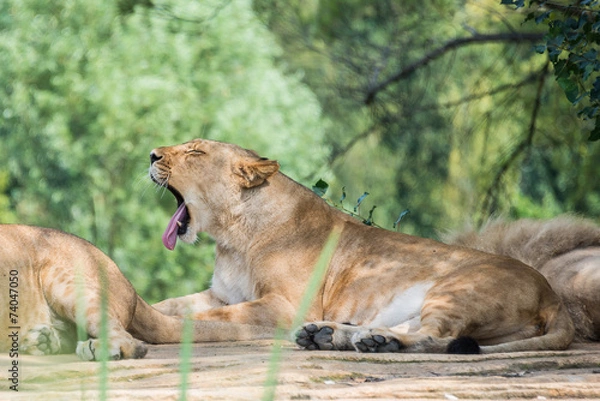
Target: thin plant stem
[
  {"x": 185, "y": 355},
  {"x": 104, "y": 346},
  {"x": 314, "y": 284},
  {"x": 80, "y": 308}
]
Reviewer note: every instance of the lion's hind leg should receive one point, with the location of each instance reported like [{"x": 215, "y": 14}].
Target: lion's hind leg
[
  {"x": 106, "y": 330},
  {"x": 390, "y": 340},
  {"x": 81, "y": 302},
  {"x": 66, "y": 304}
]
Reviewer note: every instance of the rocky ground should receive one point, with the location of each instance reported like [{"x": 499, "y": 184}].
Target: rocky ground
[{"x": 238, "y": 371}]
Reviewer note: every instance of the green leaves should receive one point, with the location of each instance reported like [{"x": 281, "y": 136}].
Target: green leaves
[
  {"x": 571, "y": 45},
  {"x": 321, "y": 187},
  {"x": 570, "y": 87}
]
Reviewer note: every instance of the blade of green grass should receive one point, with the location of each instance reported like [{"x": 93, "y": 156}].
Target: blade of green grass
[
  {"x": 80, "y": 305},
  {"x": 103, "y": 335},
  {"x": 310, "y": 292},
  {"x": 80, "y": 315},
  {"x": 185, "y": 355}
]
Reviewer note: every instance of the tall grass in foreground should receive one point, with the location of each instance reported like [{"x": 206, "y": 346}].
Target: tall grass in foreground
[
  {"x": 185, "y": 355},
  {"x": 103, "y": 335},
  {"x": 80, "y": 308},
  {"x": 81, "y": 323},
  {"x": 313, "y": 286}
]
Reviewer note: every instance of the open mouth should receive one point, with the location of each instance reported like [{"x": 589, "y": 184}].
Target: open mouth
[{"x": 178, "y": 224}]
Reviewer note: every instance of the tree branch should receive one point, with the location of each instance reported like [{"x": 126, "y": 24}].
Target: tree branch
[
  {"x": 339, "y": 151},
  {"x": 520, "y": 148},
  {"x": 476, "y": 96},
  {"x": 570, "y": 9},
  {"x": 166, "y": 11},
  {"x": 440, "y": 51}
]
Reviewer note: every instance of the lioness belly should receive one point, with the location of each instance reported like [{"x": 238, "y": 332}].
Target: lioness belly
[{"x": 372, "y": 310}]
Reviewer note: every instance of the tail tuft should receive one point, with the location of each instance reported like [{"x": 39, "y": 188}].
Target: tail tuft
[{"x": 463, "y": 345}]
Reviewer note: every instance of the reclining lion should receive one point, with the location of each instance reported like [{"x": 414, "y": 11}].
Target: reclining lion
[
  {"x": 383, "y": 291},
  {"x": 46, "y": 275},
  {"x": 566, "y": 250}
]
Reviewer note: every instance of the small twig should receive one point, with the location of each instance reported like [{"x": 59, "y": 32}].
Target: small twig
[
  {"x": 336, "y": 153},
  {"x": 440, "y": 51},
  {"x": 520, "y": 148},
  {"x": 494, "y": 91},
  {"x": 166, "y": 11}
]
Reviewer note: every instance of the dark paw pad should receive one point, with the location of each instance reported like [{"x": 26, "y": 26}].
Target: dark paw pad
[
  {"x": 313, "y": 337},
  {"x": 140, "y": 351},
  {"x": 463, "y": 345},
  {"x": 378, "y": 343}
]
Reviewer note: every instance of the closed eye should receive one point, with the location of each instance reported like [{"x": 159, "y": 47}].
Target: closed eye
[{"x": 196, "y": 152}]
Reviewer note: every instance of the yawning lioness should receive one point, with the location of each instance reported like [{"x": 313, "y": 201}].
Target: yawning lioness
[{"x": 383, "y": 291}]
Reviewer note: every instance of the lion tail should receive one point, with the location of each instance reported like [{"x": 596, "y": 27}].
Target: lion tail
[{"x": 533, "y": 242}]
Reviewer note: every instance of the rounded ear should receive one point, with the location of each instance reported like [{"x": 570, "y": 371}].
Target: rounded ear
[{"x": 254, "y": 172}]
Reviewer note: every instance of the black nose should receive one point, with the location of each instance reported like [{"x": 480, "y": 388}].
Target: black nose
[{"x": 154, "y": 157}]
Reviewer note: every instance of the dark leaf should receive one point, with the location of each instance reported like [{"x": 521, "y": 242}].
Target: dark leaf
[
  {"x": 529, "y": 17},
  {"x": 595, "y": 91},
  {"x": 369, "y": 220},
  {"x": 517, "y": 3},
  {"x": 595, "y": 134},
  {"x": 542, "y": 17},
  {"x": 588, "y": 112},
  {"x": 360, "y": 200},
  {"x": 343, "y": 194},
  {"x": 399, "y": 219},
  {"x": 570, "y": 87},
  {"x": 320, "y": 188}
]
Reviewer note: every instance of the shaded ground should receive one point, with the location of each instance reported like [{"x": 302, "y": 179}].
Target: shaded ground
[{"x": 237, "y": 371}]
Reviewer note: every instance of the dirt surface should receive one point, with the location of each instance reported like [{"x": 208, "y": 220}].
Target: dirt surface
[{"x": 237, "y": 371}]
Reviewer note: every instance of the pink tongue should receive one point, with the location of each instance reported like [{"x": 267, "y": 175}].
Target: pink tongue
[{"x": 169, "y": 238}]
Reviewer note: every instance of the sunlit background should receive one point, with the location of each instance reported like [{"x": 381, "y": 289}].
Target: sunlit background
[{"x": 370, "y": 96}]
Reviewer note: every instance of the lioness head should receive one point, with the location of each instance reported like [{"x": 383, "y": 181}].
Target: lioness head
[{"x": 205, "y": 176}]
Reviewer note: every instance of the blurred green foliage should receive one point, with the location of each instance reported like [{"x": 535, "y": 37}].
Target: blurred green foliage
[
  {"x": 90, "y": 88},
  {"x": 441, "y": 107},
  {"x": 87, "y": 93},
  {"x": 572, "y": 46}
]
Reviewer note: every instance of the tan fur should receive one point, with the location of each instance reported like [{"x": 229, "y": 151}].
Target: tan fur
[
  {"x": 383, "y": 291},
  {"x": 39, "y": 307},
  {"x": 566, "y": 250}
]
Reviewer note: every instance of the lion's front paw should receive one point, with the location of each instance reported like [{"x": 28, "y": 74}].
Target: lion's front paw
[
  {"x": 370, "y": 341},
  {"x": 90, "y": 350},
  {"x": 326, "y": 336},
  {"x": 313, "y": 337},
  {"x": 42, "y": 340}
]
